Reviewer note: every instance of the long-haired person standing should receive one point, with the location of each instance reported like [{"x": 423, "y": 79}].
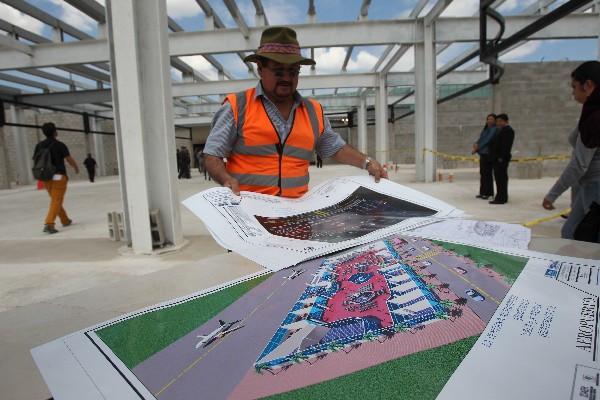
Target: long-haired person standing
[{"x": 584, "y": 167}]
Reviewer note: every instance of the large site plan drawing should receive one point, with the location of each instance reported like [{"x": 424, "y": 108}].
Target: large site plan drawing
[
  {"x": 338, "y": 214},
  {"x": 377, "y": 312}
]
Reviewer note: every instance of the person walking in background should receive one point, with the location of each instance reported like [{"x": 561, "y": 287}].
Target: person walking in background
[
  {"x": 319, "y": 161},
  {"x": 500, "y": 154},
  {"x": 178, "y": 156},
  {"x": 203, "y": 166},
  {"x": 90, "y": 166},
  {"x": 185, "y": 163},
  {"x": 583, "y": 170},
  {"x": 198, "y": 159},
  {"x": 57, "y": 185},
  {"x": 482, "y": 147}
]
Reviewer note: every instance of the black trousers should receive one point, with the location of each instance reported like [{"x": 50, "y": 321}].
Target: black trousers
[
  {"x": 486, "y": 177},
  {"x": 91, "y": 173},
  {"x": 501, "y": 177}
]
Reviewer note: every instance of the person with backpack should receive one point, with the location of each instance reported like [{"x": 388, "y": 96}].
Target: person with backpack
[{"x": 49, "y": 166}]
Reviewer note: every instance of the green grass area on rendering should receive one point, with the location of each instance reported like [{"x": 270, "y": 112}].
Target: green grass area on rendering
[
  {"x": 506, "y": 265},
  {"x": 418, "y": 376},
  {"x": 136, "y": 339}
]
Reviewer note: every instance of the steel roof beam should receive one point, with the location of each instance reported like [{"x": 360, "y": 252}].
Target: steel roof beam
[
  {"x": 19, "y": 32},
  {"x": 218, "y": 23},
  {"x": 221, "y": 87},
  {"x": 46, "y": 18},
  {"x": 364, "y": 10},
  {"x": 25, "y": 82},
  {"x": 183, "y": 67},
  {"x": 55, "y": 78},
  {"x": 91, "y": 8},
  {"x": 260, "y": 11},
  {"x": 237, "y": 17},
  {"x": 9, "y": 42},
  {"x": 87, "y": 72},
  {"x": 435, "y": 12},
  {"x": 50, "y": 20},
  {"x": 538, "y": 7},
  {"x": 414, "y": 13},
  {"x": 9, "y": 90},
  {"x": 462, "y": 29},
  {"x": 32, "y": 37}
]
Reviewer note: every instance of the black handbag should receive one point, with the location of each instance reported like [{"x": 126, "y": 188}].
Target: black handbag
[{"x": 589, "y": 227}]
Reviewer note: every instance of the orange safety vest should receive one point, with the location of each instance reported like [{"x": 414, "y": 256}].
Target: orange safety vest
[{"x": 259, "y": 160}]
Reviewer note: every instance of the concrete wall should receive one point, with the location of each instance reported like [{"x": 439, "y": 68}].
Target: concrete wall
[{"x": 199, "y": 134}]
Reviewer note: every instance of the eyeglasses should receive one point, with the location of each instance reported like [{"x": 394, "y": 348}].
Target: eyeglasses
[{"x": 281, "y": 72}]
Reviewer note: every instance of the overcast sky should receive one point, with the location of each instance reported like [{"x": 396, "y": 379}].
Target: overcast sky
[{"x": 329, "y": 60}]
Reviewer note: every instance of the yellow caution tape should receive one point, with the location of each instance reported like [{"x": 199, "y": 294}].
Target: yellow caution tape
[
  {"x": 514, "y": 160},
  {"x": 545, "y": 219}
]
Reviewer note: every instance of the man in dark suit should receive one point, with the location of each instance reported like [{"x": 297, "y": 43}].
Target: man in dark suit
[{"x": 500, "y": 148}]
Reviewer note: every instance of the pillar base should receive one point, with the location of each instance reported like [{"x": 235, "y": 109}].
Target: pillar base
[{"x": 128, "y": 251}]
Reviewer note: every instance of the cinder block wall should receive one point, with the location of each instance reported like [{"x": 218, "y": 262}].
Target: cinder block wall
[{"x": 537, "y": 98}]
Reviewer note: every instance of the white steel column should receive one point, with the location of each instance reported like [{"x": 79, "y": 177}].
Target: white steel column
[
  {"x": 4, "y": 161},
  {"x": 141, "y": 90},
  {"x": 381, "y": 121},
  {"x": 425, "y": 105},
  {"x": 98, "y": 148},
  {"x": 362, "y": 125},
  {"x": 23, "y": 153}
]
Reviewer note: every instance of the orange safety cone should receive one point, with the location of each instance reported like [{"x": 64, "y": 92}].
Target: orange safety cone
[
  {"x": 451, "y": 177},
  {"x": 40, "y": 185}
]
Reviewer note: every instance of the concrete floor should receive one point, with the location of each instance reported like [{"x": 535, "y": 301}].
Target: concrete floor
[{"x": 52, "y": 285}]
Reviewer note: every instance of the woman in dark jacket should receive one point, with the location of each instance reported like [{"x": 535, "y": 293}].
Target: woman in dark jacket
[{"x": 481, "y": 147}]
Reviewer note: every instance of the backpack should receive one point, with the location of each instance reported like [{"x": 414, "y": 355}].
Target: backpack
[{"x": 43, "y": 169}]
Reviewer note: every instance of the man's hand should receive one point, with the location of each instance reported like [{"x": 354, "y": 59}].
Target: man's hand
[
  {"x": 475, "y": 148},
  {"x": 375, "y": 169},
  {"x": 232, "y": 184},
  {"x": 216, "y": 169},
  {"x": 547, "y": 204}
]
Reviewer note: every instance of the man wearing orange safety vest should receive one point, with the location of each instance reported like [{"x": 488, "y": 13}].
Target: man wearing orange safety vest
[{"x": 269, "y": 133}]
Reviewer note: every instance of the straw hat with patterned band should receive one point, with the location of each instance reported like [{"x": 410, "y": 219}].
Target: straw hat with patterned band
[{"x": 280, "y": 45}]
